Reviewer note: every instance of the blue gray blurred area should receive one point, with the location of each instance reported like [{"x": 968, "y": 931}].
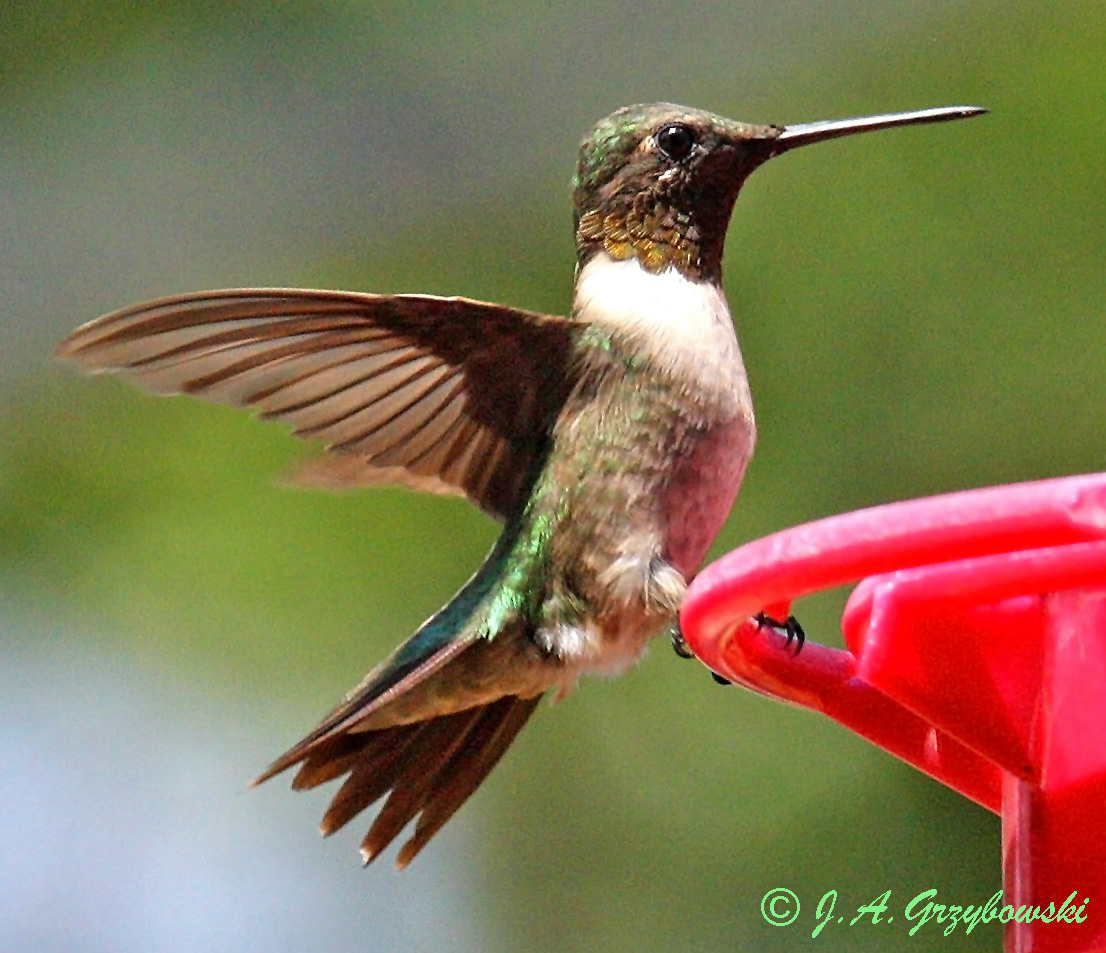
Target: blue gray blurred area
[{"x": 126, "y": 825}]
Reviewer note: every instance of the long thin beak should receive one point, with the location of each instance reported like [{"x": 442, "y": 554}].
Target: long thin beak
[{"x": 808, "y": 132}]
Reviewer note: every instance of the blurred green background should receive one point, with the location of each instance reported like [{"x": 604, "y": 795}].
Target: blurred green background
[{"x": 920, "y": 311}]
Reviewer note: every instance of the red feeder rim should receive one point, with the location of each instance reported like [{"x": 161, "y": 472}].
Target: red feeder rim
[{"x": 977, "y": 654}]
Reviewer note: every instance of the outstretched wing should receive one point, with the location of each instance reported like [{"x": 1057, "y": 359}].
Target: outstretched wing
[{"x": 441, "y": 394}]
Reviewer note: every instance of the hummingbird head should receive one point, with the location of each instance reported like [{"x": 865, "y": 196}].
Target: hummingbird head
[{"x": 658, "y": 181}]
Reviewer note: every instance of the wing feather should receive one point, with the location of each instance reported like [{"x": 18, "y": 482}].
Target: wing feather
[{"x": 441, "y": 394}]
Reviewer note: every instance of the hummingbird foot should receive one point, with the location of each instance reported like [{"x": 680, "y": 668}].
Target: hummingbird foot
[
  {"x": 679, "y": 643},
  {"x": 683, "y": 650},
  {"x": 789, "y": 628}
]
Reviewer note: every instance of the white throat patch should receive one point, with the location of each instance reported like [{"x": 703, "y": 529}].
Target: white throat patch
[{"x": 680, "y": 323}]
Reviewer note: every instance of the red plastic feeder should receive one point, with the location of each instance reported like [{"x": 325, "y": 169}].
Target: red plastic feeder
[{"x": 977, "y": 653}]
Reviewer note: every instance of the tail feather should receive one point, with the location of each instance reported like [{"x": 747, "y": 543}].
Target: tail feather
[
  {"x": 402, "y": 767},
  {"x": 409, "y": 666},
  {"x": 335, "y": 756},
  {"x": 371, "y": 773},
  {"x": 428, "y": 724},
  {"x": 466, "y": 771},
  {"x": 436, "y": 746},
  {"x": 428, "y": 769}
]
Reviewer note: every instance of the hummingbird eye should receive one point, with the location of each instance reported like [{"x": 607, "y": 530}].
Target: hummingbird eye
[{"x": 676, "y": 140}]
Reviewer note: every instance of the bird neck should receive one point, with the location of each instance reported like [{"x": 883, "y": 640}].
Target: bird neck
[{"x": 673, "y": 322}]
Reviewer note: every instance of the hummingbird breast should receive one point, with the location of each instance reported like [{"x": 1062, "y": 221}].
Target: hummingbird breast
[{"x": 646, "y": 461}]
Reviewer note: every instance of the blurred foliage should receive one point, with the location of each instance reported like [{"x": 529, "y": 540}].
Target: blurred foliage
[
  {"x": 57, "y": 40},
  {"x": 920, "y": 311}
]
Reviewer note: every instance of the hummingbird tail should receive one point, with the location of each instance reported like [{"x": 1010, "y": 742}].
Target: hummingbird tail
[
  {"x": 429, "y": 767},
  {"x": 427, "y": 725}
]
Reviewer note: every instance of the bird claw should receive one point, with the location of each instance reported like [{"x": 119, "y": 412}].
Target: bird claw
[
  {"x": 682, "y": 649},
  {"x": 679, "y": 643},
  {"x": 789, "y": 628}
]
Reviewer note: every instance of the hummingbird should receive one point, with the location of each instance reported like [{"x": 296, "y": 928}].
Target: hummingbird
[{"x": 610, "y": 444}]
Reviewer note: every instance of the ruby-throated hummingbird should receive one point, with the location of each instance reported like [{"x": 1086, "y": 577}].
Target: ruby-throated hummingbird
[{"x": 609, "y": 443}]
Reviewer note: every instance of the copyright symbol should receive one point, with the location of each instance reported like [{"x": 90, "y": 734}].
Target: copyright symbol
[{"x": 779, "y": 906}]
